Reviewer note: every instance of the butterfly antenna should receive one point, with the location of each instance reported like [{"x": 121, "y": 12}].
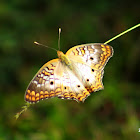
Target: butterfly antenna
[
  {"x": 44, "y": 45},
  {"x": 59, "y": 38},
  {"x": 128, "y": 30}
]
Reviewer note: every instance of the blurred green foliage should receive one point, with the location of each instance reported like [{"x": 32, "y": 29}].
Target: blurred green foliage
[{"x": 113, "y": 113}]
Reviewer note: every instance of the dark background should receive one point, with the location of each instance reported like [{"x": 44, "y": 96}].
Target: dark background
[{"x": 113, "y": 113}]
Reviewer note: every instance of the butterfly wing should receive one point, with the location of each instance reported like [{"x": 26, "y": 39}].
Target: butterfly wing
[
  {"x": 88, "y": 62},
  {"x": 42, "y": 85},
  {"x": 95, "y": 55},
  {"x": 55, "y": 79}
]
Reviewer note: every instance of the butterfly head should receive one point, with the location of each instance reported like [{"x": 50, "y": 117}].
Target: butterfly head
[{"x": 60, "y": 54}]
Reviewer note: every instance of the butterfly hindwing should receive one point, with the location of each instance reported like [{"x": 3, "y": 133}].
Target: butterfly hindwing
[{"x": 90, "y": 78}]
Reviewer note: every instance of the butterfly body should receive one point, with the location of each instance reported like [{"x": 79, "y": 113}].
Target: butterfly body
[
  {"x": 73, "y": 75},
  {"x": 64, "y": 58}
]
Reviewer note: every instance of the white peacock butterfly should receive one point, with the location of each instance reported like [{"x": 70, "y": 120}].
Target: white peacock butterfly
[{"x": 73, "y": 75}]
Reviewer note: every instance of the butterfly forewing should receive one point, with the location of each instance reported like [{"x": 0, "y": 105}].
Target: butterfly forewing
[
  {"x": 95, "y": 55},
  {"x": 42, "y": 85}
]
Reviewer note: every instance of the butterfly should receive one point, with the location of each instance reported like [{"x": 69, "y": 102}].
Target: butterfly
[{"x": 73, "y": 75}]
